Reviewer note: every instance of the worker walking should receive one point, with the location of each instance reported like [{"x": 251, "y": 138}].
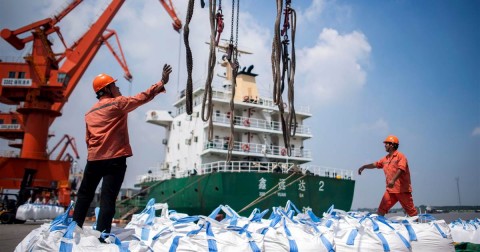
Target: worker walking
[
  {"x": 397, "y": 175},
  {"x": 108, "y": 146}
]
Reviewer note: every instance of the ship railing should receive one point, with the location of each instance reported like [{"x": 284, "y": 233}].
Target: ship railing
[
  {"x": 222, "y": 94},
  {"x": 275, "y": 167},
  {"x": 271, "y": 104},
  {"x": 245, "y": 166},
  {"x": 226, "y": 96},
  {"x": 329, "y": 171},
  {"x": 252, "y": 166},
  {"x": 257, "y": 148},
  {"x": 257, "y": 123}
]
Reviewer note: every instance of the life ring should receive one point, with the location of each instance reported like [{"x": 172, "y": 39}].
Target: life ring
[
  {"x": 246, "y": 98},
  {"x": 246, "y": 147},
  {"x": 283, "y": 151},
  {"x": 246, "y": 122}
]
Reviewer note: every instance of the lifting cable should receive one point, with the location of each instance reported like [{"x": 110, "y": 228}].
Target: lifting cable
[
  {"x": 189, "y": 57},
  {"x": 232, "y": 58},
  {"x": 216, "y": 28},
  {"x": 281, "y": 58}
]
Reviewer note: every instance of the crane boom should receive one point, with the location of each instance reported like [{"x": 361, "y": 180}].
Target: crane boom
[
  {"x": 47, "y": 24},
  {"x": 40, "y": 88}
]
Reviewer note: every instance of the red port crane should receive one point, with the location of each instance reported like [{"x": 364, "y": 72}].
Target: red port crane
[{"x": 39, "y": 87}]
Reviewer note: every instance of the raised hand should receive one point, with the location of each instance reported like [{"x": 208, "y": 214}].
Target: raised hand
[{"x": 167, "y": 69}]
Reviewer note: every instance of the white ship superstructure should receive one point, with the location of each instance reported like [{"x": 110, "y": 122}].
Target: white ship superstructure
[{"x": 258, "y": 131}]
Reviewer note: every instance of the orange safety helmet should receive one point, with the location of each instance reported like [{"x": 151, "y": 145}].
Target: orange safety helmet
[
  {"x": 391, "y": 139},
  {"x": 101, "y": 81}
]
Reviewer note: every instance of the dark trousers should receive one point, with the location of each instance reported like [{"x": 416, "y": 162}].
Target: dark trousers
[{"x": 113, "y": 172}]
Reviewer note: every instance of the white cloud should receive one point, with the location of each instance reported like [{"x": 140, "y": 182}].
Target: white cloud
[
  {"x": 313, "y": 11},
  {"x": 335, "y": 66},
  {"x": 476, "y": 131},
  {"x": 379, "y": 126}
]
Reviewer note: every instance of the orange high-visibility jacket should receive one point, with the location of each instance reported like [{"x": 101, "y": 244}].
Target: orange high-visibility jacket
[
  {"x": 390, "y": 164},
  {"x": 106, "y": 124}
]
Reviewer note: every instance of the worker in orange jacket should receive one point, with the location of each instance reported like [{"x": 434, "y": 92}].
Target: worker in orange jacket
[
  {"x": 397, "y": 175},
  {"x": 108, "y": 146}
]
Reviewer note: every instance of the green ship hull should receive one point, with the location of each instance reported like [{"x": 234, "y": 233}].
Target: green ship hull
[{"x": 244, "y": 191}]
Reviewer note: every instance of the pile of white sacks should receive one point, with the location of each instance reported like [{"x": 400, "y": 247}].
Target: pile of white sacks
[
  {"x": 285, "y": 229},
  {"x": 38, "y": 211}
]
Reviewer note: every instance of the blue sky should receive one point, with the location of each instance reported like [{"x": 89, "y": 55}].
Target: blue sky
[{"x": 366, "y": 68}]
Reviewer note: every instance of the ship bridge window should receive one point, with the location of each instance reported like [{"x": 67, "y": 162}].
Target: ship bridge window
[
  {"x": 217, "y": 113},
  {"x": 11, "y": 74},
  {"x": 195, "y": 139},
  {"x": 179, "y": 123},
  {"x": 14, "y": 121},
  {"x": 1, "y": 121},
  {"x": 21, "y": 75}
]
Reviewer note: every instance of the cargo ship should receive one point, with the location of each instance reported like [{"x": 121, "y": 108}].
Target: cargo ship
[{"x": 195, "y": 176}]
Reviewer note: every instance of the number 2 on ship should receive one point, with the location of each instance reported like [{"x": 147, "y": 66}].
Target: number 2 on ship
[{"x": 321, "y": 183}]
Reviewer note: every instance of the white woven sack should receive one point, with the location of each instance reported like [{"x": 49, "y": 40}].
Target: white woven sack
[
  {"x": 32, "y": 238},
  {"x": 365, "y": 239},
  {"x": 287, "y": 235},
  {"x": 48, "y": 241},
  {"x": 465, "y": 231},
  {"x": 391, "y": 233},
  {"x": 77, "y": 239},
  {"x": 431, "y": 236},
  {"x": 200, "y": 239},
  {"x": 366, "y": 234},
  {"x": 55, "y": 211},
  {"x": 164, "y": 238},
  {"x": 136, "y": 246},
  {"x": 146, "y": 224},
  {"x": 231, "y": 238},
  {"x": 24, "y": 212}
]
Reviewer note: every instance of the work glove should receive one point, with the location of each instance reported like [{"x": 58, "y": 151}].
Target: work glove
[{"x": 167, "y": 69}]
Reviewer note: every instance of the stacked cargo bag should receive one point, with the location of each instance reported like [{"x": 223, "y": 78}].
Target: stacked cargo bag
[
  {"x": 232, "y": 233},
  {"x": 45, "y": 232},
  {"x": 181, "y": 237},
  {"x": 257, "y": 223},
  {"x": 25, "y": 212},
  {"x": 349, "y": 234},
  {"x": 32, "y": 238},
  {"x": 390, "y": 235},
  {"x": 287, "y": 234},
  {"x": 146, "y": 224},
  {"x": 426, "y": 234},
  {"x": 38, "y": 211},
  {"x": 63, "y": 234},
  {"x": 465, "y": 231},
  {"x": 166, "y": 239},
  {"x": 235, "y": 238},
  {"x": 352, "y": 234},
  {"x": 202, "y": 233},
  {"x": 358, "y": 232}
]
